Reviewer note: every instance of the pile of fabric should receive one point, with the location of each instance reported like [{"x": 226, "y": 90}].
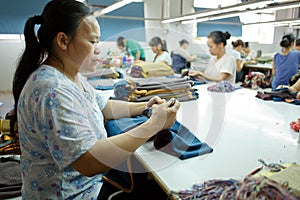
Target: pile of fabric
[
  {"x": 144, "y": 89},
  {"x": 282, "y": 94},
  {"x": 256, "y": 80},
  {"x": 9, "y": 142},
  {"x": 222, "y": 86},
  {"x": 10, "y": 181}
]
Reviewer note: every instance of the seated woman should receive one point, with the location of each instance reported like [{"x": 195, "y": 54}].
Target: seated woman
[
  {"x": 222, "y": 66},
  {"x": 285, "y": 63},
  {"x": 159, "y": 47},
  {"x": 180, "y": 56},
  {"x": 236, "y": 52},
  {"x": 248, "y": 53},
  {"x": 132, "y": 47}
]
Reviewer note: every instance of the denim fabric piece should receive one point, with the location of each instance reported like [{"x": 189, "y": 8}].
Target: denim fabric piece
[
  {"x": 115, "y": 127},
  {"x": 177, "y": 140},
  {"x": 180, "y": 142}
]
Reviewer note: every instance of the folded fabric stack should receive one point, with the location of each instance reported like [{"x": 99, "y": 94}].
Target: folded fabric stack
[
  {"x": 102, "y": 73},
  {"x": 9, "y": 142},
  {"x": 101, "y": 79},
  {"x": 166, "y": 88},
  {"x": 145, "y": 70}
]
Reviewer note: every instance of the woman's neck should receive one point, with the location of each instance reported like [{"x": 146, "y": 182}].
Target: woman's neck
[
  {"x": 285, "y": 51},
  {"x": 221, "y": 54},
  {"x": 159, "y": 52},
  {"x": 68, "y": 72}
]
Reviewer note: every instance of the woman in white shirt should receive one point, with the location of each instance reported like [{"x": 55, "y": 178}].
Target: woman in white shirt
[
  {"x": 222, "y": 66},
  {"x": 159, "y": 47}
]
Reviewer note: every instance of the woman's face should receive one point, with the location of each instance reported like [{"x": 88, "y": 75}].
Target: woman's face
[
  {"x": 84, "y": 48},
  {"x": 156, "y": 48},
  {"x": 185, "y": 45},
  {"x": 214, "y": 48}
]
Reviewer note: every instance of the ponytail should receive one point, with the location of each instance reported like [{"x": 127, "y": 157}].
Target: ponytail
[
  {"x": 155, "y": 41},
  {"x": 29, "y": 61},
  {"x": 54, "y": 19},
  {"x": 164, "y": 46}
]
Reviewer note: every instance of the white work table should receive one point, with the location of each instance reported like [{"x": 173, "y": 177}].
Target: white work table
[
  {"x": 265, "y": 66},
  {"x": 241, "y": 129}
]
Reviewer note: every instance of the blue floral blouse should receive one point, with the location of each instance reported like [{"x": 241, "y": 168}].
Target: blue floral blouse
[{"x": 57, "y": 123}]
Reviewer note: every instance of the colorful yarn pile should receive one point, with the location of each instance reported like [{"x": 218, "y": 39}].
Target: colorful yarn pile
[{"x": 248, "y": 189}]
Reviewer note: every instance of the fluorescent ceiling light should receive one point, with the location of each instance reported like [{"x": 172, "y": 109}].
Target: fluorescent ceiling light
[
  {"x": 203, "y": 19},
  {"x": 209, "y": 12},
  {"x": 113, "y": 7},
  {"x": 224, "y": 16},
  {"x": 291, "y": 22},
  {"x": 283, "y": 6},
  {"x": 213, "y": 16}
]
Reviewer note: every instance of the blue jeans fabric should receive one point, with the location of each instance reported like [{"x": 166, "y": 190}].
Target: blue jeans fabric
[{"x": 177, "y": 140}]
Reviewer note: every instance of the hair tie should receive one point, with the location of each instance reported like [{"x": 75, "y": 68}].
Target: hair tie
[{"x": 37, "y": 19}]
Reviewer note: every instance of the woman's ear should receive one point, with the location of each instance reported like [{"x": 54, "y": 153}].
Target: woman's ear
[{"x": 62, "y": 40}]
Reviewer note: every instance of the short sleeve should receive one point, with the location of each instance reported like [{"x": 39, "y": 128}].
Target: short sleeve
[
  {"x": 101, "y": 101},
  {"x": 69, "y": 134},
  {"x": 229, "y": 65}
]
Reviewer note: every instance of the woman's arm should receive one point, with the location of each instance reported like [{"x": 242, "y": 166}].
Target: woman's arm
[
  {"x": 273, "y": 69},
  {"x": 222, "y": 76},
  {"x": 116, "y": 109},
  {"x": 295, "y": 87},
  {"x": 191, "y": 58},
  {"x": 138, "y": 55},
  {"x": 110, "y": 152}
]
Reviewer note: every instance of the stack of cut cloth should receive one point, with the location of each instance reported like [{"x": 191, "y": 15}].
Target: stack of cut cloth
[
  {"x": 101, "y": 79},
  {"x": 146, "y": 70},
  {"x": 166, "y": 88}
]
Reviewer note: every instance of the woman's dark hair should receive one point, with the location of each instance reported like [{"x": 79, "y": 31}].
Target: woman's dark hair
[
  {"x": 120, "y": 41},
  {"x": 246, "y": 44},
  {"x": 58, "y": 16},
  {"x": 155, "y": 41},
  {"x": 297, "y": 43},
  {"x": 287, "y": 40},
  {"x": 219, "y": 37},
  {"x": 237, "y": 43},
  {"x": 183, "y": 41}
]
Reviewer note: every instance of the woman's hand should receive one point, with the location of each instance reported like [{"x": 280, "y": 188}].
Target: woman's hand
[
  {"x": 155, "y": 100},
  {"x": 282, "y": 86},
  {"x": 195, "y": 73},
  {"x": 164, "y": 114}
]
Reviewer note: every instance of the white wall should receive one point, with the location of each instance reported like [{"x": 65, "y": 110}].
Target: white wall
[{"x": 10, "y": 53}]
